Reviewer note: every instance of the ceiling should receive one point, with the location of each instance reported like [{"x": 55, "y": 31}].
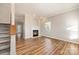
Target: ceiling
[{"x": 44, "y": 9}]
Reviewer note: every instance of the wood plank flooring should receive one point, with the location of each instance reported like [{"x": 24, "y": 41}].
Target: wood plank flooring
[{"x": 46, "y": 46}]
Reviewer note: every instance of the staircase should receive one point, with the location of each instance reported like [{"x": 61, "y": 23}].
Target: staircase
[{"x": 4, "y": 39}]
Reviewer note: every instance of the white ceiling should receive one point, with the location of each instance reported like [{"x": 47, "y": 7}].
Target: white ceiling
[{"x": 44, "y": 9}]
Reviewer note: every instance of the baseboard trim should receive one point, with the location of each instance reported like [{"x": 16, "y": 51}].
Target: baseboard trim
[
  {"x": 33, "y": 37},
  {"x": 61, "y": 39},
  {"x": 55, "y": 38}
]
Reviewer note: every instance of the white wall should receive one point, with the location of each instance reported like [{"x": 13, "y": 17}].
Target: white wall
[
  {"x": 31, "y": 23},
  {"x": 5, "y": 13},
  {"x": 63, "y": 26}
]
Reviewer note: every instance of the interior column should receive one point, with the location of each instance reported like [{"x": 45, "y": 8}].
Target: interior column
[{"x": 13, "y": 31}]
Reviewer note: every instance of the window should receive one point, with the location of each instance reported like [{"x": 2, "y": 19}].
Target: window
[
  {"x": 73, "y": 31},
  {"x": 48, "y": 26}
]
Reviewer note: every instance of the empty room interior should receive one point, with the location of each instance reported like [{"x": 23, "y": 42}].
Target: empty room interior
[{"x": 39, "y": 29}]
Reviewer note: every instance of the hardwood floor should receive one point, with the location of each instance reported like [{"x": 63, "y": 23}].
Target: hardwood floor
[{"x": 46, "y": 46}]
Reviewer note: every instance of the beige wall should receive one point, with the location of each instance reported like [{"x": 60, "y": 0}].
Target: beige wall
[
  {"x": 5, "y": 13},
  {"x": 63, "y": 26}
]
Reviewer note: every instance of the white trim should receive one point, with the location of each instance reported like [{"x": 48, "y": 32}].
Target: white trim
[
  {"x": 62, "y": 39},
  {"x": 32, "y": 37}
]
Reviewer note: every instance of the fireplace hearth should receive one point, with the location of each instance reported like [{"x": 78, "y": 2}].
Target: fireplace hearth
[{"x": 35, "y": 33}]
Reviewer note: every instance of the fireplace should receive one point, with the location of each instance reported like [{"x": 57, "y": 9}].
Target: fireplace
[{"x": 35, "y": 33}]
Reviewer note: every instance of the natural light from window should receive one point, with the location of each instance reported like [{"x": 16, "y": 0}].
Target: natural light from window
[
  {"x": 48, "y": 26},
  {"x": 73, "y": 31}
]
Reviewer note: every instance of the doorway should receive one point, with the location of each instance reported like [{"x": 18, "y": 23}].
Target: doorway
[
  {"x": 19, "y": 30},
  {"x": 20, "y": 27}
]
